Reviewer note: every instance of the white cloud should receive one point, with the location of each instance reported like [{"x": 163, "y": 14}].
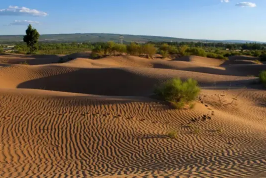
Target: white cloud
[
  {"x": 225, "y": 1},
  {"x": 19, "y": 11},
  {"x": 24, "y": 22},
  {"x": 246, "y": 4}
]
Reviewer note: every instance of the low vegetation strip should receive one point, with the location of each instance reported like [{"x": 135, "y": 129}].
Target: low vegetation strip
[{"x": 148, "y": 49}]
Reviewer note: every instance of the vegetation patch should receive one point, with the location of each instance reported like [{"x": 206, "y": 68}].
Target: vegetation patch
[
  {"x": 177, "y": 92},
  {"x": 172, "y": 134},
  {"x": 262, "y": 78}
]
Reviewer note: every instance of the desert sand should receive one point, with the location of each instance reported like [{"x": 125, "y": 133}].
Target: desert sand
[{"x": 96, "y": 118}]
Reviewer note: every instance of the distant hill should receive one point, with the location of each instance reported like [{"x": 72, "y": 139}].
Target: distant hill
[{"x": 104, "y": 37}]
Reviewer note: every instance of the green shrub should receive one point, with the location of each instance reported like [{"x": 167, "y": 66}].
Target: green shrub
[
  {"x": 178, "y": 93},
  {"x": 211, "y": 55},
  {"x": 164, "y": 47},
  {"x": 98, "y": 51},
  {"x": 133, "y": 49},
  {"x": 94, "y": 55},
  {"x": 164, "y": 54},
  {"x": 120, "y": 48},
  {"x": 196, "y": 52},
  {"x": 262, "y": 78},
  {"x": 172, "y": 134},
  {"x": 256, "y": 53},
  {"x": 109, "y": 48},
  {"x": 182, "y": 50},
  {"x": 149, "y": 50},
  {"x": 172, "y": 50},
  {"x": 220, "y": 56}
]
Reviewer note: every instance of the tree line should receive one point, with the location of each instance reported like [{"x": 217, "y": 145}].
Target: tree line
[{"x": 166, "y": 49}]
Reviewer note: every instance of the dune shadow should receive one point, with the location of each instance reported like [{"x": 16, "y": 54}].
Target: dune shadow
[{"x": 111, "y": 82}]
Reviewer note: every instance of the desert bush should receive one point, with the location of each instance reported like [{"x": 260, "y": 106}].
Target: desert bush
[
  {"x": 216, "y": 56},
  {"x": 164, "y": 50},
  {"x": 120, "y": 48},
  {"x": 149, "y": 50},
  {"x": 98, "y": 51},
  {"x": 109, "y": 48},
  {"x": 211, "y": 55},
  {"x": 1, "y": 50},
  {"x": 182, "y": 50},
  {"x": 164, "y": 47},
  {"x": 177, "y": 92},
  {"x": 164, "y": 54},
  {"x": 133, "y": 49},
  {"x": 196, "y": 52},
  {"x": 220, "y": 56},
  {"x": 256, "y": 53},
  {"x": 172, "y": 134},
  {"x": 262, "y": 77},
  {"x": 173, "y": 50}
]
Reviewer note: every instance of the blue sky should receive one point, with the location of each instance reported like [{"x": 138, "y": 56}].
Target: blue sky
[{"x": 196, "y": 19}]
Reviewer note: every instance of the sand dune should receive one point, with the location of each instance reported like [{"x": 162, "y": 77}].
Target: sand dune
[
  {"x": 99, "y": 121},
  {"x": 203, "y": 60},
  {"x": 105, "y": 81}
]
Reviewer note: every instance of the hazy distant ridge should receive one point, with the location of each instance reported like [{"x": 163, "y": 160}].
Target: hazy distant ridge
[{"x": 104, "y": 37}]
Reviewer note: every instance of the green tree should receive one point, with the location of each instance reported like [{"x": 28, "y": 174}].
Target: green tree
[{"x": 31, "y": 38}]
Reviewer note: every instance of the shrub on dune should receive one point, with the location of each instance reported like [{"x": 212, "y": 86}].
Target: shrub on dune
[
  {"x": 220, "y": 56},
  {"x": 172, "y": 134},
  {"x": 177, "y": 92},
  {"x": 109, "y": 48},
  {"x": 97, "y": 52},
  {"x": 164, "y": 54},
  {"x": 216, "y": 56},
  {"x": 149, "y": 50},
  {"x": 196, "y": 52},
  {"x": 182, "y": 50},
  {"x": 212, "y": 55},
  {"x": 164, "y": 50},
  {"x": 262, "y": 78},
  {"x": 133, "y": 49},
  {"x": 120, "y": 49},
  {"x": 173, "y": 50}
]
